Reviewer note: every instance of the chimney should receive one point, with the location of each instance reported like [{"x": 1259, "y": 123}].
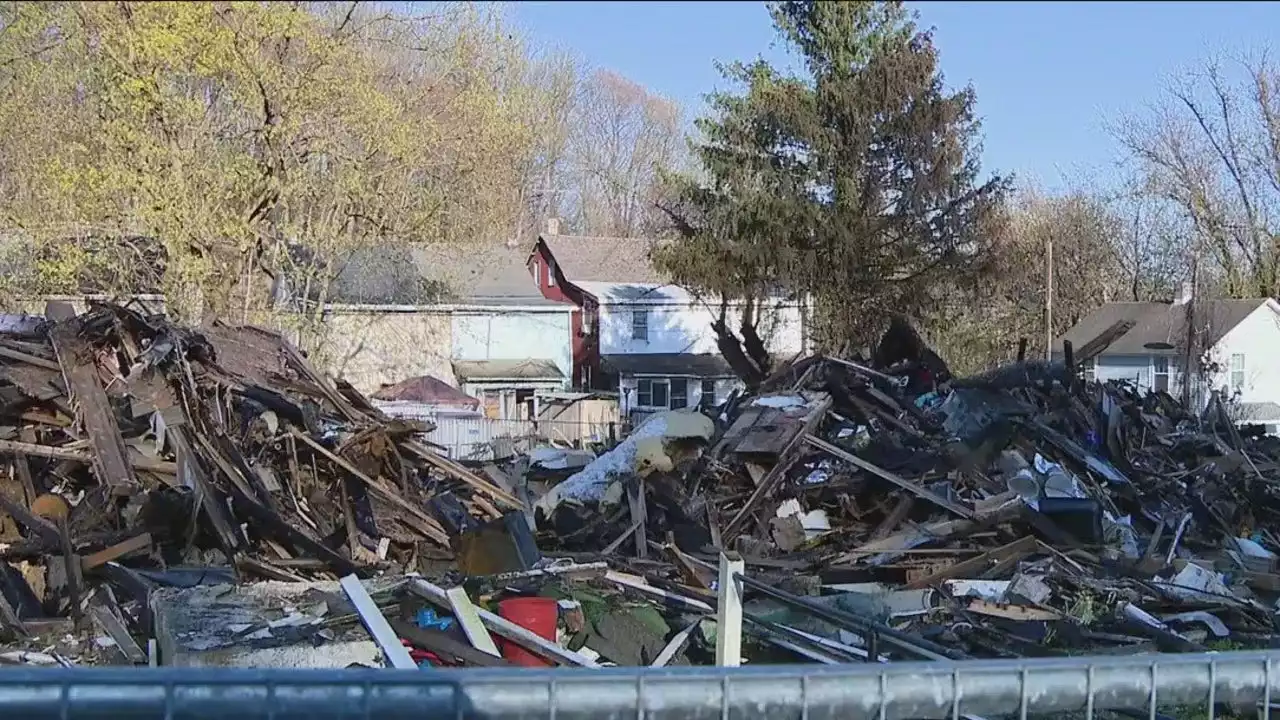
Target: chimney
[
  {"x": 1184, "y": 293},
  {"x": 551, "y": 226}
]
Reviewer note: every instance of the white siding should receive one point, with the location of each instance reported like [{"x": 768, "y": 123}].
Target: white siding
[
  {"x": 1257, "y": 338},
  {"x": 686, "y": 328},
  {"x": 504, "y": 335}
]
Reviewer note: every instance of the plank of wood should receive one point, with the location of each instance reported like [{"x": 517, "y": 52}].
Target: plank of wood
[
  {"x": 973, "y": 566},
  {"x": 11, "y": 447},
  {"x": 110, "y": 459},
  {"x": 914, "y": 489},
  {"x": 114, "y": 626},
  {"x": 676, "y": 645},
  {"x": 767, "y": 484},
  {"x": 377, "y": 625},
  {"x": 470, "y": 621},
  {"x": 12, "y": 354},
  {"x": 639, "y": 516},
  {"x": 638, "y": 583},
  {"x": 429, "y": 527},
  {"x": 1011, "y": 612},
  {"x": 475, "y": 482},
  {"x": 729, "y": 612},
  {"x": 895, "y": 517},
  {"x": 75, "y": 581},
  {"x": 115, "y": 552},
  {"x": 504, "y": 627}
]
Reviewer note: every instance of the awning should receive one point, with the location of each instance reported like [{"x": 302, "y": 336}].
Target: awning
[
  {"x": 669, "y": 365},
  {"x": 489, "y": 370}
]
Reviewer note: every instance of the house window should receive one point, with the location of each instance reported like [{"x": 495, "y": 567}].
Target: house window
[
  {"x": 1237, "y": 373},
  {"x": 679, "y": 393},
  {"x": 653, "y": 392},
  {"x": 708, "y": 397},
  {"x": 1089, "y": 369},
  {"x": 640, "y": 325},
  {"x": 1160, "y": 374},
  {"x": 551, "y": 273}
]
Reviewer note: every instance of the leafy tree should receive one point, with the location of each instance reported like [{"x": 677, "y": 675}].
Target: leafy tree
[{"x": 854, "y": 183}]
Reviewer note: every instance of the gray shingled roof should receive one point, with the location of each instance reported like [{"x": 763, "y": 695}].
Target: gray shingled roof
[
  {"x": 603, "y": 259},
  {"x": 1258, "y": 412},
  {"x": 480, "y": 271},
  {"x": 1158, "y": 323}
]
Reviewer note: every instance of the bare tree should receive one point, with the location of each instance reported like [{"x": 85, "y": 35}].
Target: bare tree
[
  {"x": 625, "y": 136},
  {"x": 1211, "y": 151}
]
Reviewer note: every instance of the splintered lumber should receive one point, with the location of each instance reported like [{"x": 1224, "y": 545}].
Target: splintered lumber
[
  {"x": 377, "y": 625},
  {"x": 1102, "y": 341},
  {"x": 10, "y": 447},
  {"x": 475, "y": 482},
  {"x": 110, "y": 456},
  {"x": 526, "y": 638},
  {"x": 785, "y": 459},
  {"x": 428, "y": 527},
  {"x": 974, "y": 566},
  {"x": 115, "y": 552},
  {"x": 12, "y": 354},
  {"x": 914, "y": 489}
]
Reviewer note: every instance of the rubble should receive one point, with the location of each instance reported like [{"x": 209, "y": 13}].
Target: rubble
[{"x": 205, "y": 497}]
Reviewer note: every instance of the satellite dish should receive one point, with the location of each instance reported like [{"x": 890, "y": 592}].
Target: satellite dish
[{"x": 1157, "y": 345}]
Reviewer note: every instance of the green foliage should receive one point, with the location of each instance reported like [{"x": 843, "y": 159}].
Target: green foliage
[
  {"x": 855, "y": 184},
  {"x": 250, "y": 140}
]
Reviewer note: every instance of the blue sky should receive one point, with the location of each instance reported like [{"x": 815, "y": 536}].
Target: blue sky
[{"x": 1047, "y": 74}]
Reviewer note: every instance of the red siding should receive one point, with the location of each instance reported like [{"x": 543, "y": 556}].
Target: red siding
[{"x": 586, "y": 347}]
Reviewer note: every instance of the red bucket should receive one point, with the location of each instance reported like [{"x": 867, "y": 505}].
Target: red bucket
[{"x": 538, "y": 614}]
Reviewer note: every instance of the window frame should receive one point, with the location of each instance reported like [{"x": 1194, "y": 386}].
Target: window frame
[
  {"x": 1157, "y": 374},
  {"x": 683, "y": 395},
  {"x": 707, "y": 400},
  {"x": 551, "y": 273},
  {"x": 1237, "y": 383},
  {"x": 640, "y": 324}
]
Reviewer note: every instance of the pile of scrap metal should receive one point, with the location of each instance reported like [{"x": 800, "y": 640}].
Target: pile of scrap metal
[
  {"x": 133, "y": 448},
  {"x": 1023, "y": 512}
]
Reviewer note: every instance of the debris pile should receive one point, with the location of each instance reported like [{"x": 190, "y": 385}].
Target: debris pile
[
  {"x": 207, "y": 498},
  {"x": 1023, "y": 512},
  {"x": 133, "y": 446}
]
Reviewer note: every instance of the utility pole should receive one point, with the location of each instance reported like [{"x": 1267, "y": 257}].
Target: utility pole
[
  {"x": 1189, "y": 374},
  {"x": 1048, "y": 300}
]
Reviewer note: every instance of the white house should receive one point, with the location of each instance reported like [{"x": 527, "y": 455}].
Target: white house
[
  {"x": 1242, "y": 337},
  {"x": 638, "y": 334},
  {"x": 492, "y": 335}
]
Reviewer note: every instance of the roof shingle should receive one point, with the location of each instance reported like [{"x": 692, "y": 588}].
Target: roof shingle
[
  {"x": 604, "y": 259},
  {"x": 1158, "y": 323}
]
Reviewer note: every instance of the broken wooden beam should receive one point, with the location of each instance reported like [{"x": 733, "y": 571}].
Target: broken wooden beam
[
  {"x": 920, "y": 492},
  {"x": 110, "y": 459},
  {"x": 11, "y": 447}
]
